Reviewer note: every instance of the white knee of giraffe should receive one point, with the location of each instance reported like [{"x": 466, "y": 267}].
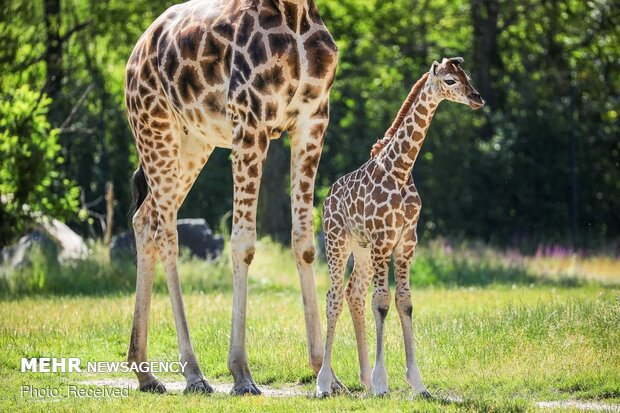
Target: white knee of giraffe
[
  {"x": 381, "y": 303},
  {"x": 403, "y": 304},
  {"x": 304, "y": 250},
  {"x": 243, "y": 245}
]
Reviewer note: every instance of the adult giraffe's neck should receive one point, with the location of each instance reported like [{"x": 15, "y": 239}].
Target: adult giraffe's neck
[{"x": 402, "y": 150}]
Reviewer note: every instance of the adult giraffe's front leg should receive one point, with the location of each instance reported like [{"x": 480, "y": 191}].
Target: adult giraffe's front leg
[
  {"x": 248, "y": 155},
  {"x": 306, "y": 147}
]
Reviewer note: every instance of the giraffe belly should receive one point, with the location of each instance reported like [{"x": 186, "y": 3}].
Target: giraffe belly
[{"x": 213, "y": 129}]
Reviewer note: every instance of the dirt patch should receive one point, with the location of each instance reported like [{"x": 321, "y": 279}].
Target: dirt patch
[
  {"x": 292, "y": 391},
  {"x": 179, "y": 386},
  {"x": 592, "y": 406}
]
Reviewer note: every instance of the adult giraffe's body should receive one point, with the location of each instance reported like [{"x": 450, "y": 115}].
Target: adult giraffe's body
[{"x": 233, "y": 74}]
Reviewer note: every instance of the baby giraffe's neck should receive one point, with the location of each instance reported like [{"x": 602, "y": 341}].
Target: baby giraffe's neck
[{"x": 402, "y": 150}]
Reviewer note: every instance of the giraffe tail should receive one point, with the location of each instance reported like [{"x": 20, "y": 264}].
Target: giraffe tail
[{"x": 140, "y": 189}]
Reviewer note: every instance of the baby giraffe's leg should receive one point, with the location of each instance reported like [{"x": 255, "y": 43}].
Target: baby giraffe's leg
[
  {"x": 402, "y": 263},
  {"x": 338, "y": 251},
  {"x": 380, "y": 307},
  {"x": 357, "y": 288}
]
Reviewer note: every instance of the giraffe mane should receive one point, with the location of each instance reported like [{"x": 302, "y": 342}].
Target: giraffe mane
[{"x": 413, "y": 94}]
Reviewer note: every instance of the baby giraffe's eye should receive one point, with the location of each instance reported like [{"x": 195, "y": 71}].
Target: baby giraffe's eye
[{"x": 449, "y": 82}]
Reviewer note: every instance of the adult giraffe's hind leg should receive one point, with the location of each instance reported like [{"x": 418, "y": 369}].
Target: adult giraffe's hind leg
[
  {"x": 167, "y": 241},
  {"x": 179, "y": 161},
  {"x": 191, "y": 154},
  {"x": 146, "y": 257}
]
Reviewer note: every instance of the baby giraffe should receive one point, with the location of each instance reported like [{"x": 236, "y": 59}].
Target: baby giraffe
[{"x": 373, "y": 213}]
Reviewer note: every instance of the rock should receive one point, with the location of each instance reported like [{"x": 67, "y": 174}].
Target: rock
[
  {"x": 71, "y": 245},
  {"x": 194, "y": 234},
  {"x": 122, "y": 245},
  {"x": 18, "y": 254},
  {"x": 55, "y": 239},
  {"x": 320, "y": 245}
]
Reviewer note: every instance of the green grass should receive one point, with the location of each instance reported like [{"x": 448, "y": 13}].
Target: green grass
[
  {"x": 500, "y": 343},
  {"x": 437, "y": 264}
]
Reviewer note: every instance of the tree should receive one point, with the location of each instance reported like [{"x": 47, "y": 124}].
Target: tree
[
  {"x": 543, "y": 154},
  {"x": 31, "y": 183}
]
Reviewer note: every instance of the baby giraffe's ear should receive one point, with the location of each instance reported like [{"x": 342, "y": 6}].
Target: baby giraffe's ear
[{"x": 434, "y": 67}]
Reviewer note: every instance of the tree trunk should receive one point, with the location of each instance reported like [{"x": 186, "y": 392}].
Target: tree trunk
[
  {"x": 53, "y": 51},
  {"x": 488, "y": 64},
  {"x": 274, "y": 205},
  {"x": 109, "y": 215}
]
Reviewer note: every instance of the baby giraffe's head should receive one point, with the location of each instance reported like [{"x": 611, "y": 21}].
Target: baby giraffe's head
[{"x": 451, "y": 82}]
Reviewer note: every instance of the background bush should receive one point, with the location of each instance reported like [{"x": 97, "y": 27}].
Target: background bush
[{"x": 541, "y": 163}]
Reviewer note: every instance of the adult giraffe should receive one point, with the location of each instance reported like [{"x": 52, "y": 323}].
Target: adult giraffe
[{"x": 232, "y": 74}]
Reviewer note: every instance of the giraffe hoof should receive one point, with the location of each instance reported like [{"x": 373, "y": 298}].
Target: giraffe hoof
[
  {"x": 425, "y": 395},
  {"x": 319, "y": 394},
  {"x": 155, "y": 386},
  {"x": 245, "y": 389},
  {"x": 201, "y": 386},
  {"x": 338, "y": 387}
]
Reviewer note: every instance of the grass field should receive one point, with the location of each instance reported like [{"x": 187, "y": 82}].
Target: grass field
[{"x": 495, "y": 333}]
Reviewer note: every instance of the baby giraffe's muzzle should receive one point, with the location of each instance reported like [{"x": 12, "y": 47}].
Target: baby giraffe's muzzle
[{"x": 475, "y": 100}]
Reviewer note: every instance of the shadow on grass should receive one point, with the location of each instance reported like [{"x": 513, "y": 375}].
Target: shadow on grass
[
  {"x": 465, "y": 268},
  {"x": 480, "y": 405}
]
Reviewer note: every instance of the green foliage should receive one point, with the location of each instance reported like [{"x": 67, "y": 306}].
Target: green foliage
[
  {"x": 502, "y": 175},
  {"x": 31, "y": 178},
  {"x": 505, "y": 175}
]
